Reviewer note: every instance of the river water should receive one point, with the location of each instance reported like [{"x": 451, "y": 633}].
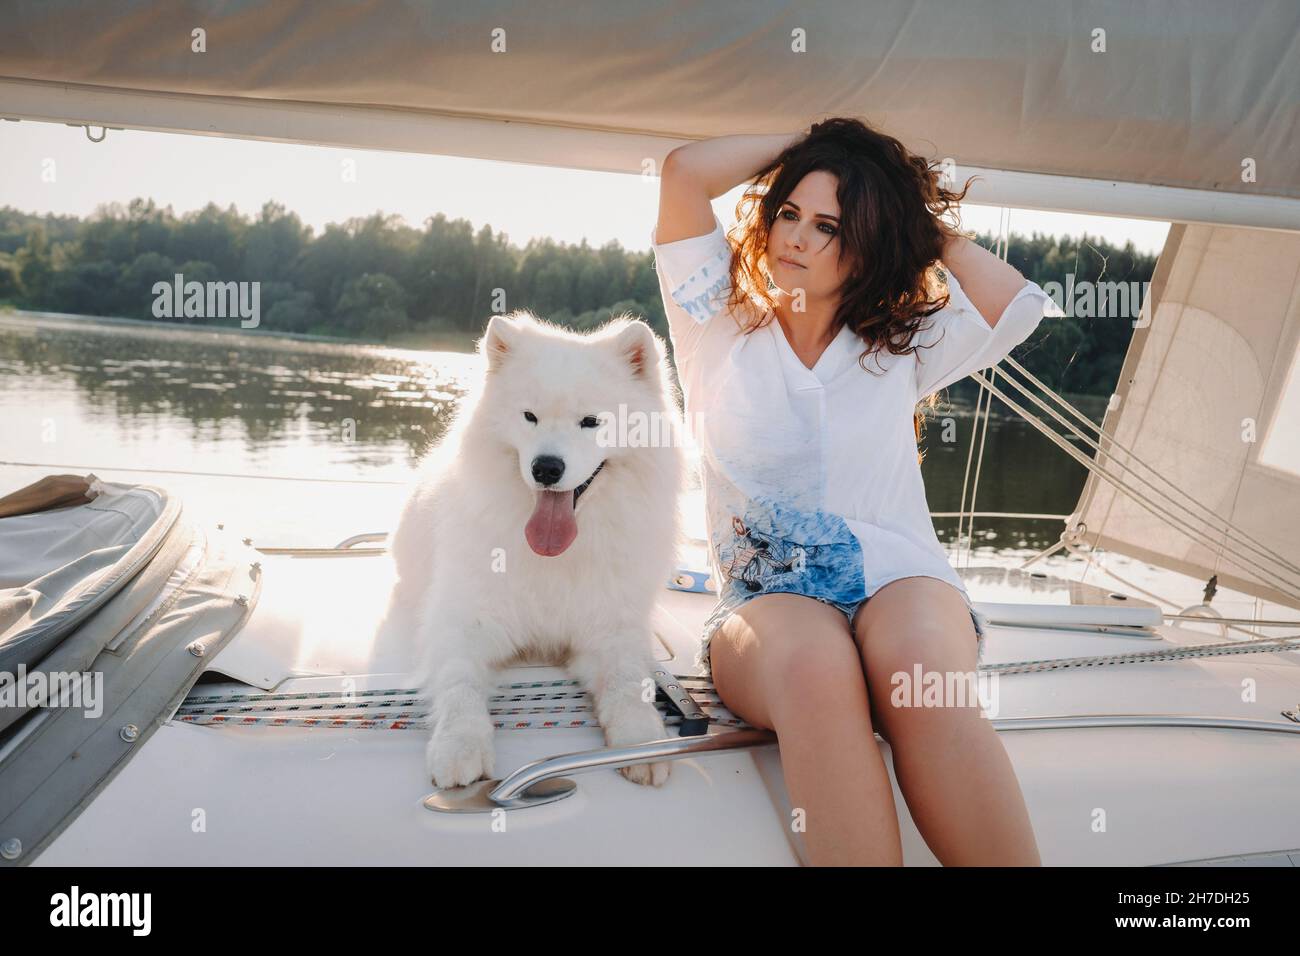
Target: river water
[{"x": 306, "y": 442}]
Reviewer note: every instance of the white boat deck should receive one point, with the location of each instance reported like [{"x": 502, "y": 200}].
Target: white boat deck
[{"x": 331, "y": 796}]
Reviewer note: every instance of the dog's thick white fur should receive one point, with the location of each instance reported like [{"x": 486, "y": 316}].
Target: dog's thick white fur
[{"x": 476, "y": 592}]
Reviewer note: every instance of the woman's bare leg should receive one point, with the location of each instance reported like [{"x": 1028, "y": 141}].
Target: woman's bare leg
[
  {"x": 954, "y": 773},
  {"x": 788, "y": 663}
]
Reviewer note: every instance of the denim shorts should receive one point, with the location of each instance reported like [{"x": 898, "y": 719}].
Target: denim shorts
[{"x": 721, "y": 613}]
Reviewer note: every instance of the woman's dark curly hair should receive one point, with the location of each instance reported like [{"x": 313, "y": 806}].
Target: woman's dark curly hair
[{"x": 891, "y": 232}]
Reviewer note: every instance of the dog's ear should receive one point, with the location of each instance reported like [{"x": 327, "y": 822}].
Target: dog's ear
[
  {"x": 498, "y": 341},
  {"x": 637, "y": 346}
]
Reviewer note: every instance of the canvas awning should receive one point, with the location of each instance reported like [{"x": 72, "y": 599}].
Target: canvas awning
[{"x": 1183, "y": 94}]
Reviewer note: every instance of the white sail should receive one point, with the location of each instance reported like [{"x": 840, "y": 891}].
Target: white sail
[{"x": 1209, "y": 397}]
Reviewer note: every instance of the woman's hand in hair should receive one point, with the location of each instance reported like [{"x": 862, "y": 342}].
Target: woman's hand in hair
[{"x": 988, "y": 282}]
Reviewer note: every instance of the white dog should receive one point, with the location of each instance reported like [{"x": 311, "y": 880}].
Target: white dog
[{"x": 543, "y": 525}]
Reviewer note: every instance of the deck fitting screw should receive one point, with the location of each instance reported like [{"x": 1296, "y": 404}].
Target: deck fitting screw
[
  {"x": 242, "y": 600},
  {"x": 129, "y": 733},
  {"x": 11, "y": 849},
  {"x": 257, "y": 565},
  {"x": 196, "y": 648},
  {"x": 248, "y": 541},
  {"x": 220, "y": 526}
]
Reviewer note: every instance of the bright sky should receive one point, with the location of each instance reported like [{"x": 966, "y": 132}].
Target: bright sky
[{"x": 525, "y": 201}]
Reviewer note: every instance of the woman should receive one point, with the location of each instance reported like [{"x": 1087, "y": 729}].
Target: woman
[{"x": 805, "y": 399}]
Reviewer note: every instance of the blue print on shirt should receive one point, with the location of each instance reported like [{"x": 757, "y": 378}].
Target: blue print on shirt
[
  {"x": 775, "y": 548},
  {"x": 701, "y": 295}
]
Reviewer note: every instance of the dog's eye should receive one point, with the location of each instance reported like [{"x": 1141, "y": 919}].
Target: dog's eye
[
  {"x": 590, "y": 422},
  {"x": 531, "y": 417}
]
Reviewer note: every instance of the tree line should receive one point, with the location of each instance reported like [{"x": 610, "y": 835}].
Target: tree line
[{"x": 375, "y": 278}]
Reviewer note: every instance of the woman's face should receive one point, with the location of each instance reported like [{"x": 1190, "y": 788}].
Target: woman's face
[{"x": 807, "y": 234}]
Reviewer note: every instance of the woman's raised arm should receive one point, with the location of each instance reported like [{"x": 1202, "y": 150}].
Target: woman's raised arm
[
  {"x": 694, "y": 174},
  {"x": 990, "y": 283}
]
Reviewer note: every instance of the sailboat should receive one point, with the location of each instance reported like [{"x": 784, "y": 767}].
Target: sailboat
[{"x": 242, "y": 718}]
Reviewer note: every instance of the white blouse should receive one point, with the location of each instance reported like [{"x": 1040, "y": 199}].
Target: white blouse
[{"x": 810, "y": 476}]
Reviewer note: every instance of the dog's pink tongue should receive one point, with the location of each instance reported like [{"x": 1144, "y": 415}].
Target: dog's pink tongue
[{"x": 551, "y": 528}]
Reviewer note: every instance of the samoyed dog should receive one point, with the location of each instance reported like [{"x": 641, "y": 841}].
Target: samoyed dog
[{"x": 542, "y": 526}]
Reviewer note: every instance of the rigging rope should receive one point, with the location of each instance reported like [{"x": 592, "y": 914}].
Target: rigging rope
[
  {"x": 1001, "y": 248},
  {"x": 1209, "y": 517},
  {"x": 965, "y": 478},
  {"x": 563, "y": 705},
  {"x": 380, "y": 709},
  {"x": 1119, "y": 485},
  {"x": 979, "y": 465}
]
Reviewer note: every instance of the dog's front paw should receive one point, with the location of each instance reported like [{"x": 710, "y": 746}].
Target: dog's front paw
[
  {"x": 458, "y": 757},
  {"x": 638, "y": 724},
  {"x": 654, "y": 774}
]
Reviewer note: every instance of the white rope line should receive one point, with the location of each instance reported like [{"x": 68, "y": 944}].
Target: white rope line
[
  {"x": 1190, "y": 531},
  {"x": 381, "y": 700},
  {"x": 388, "y": 692},
  {"x": 965, "y": 478},
  {"x": 271, "y": 710},
  {"x": 1209, "y": 518},
  {"x": 1000, "y": 514},
  {"x": 1195, "y": 533},
  {"x": 1119, "y": 485},
  {"x": 421, "y": 723},
  {"x": 1259, "y": 646},
  {"x": 1002, "y": 248},
  {"x": 1055, "y": 396},
  {"x": 541, "y": 705},
  {"x": 1209, "y": 514},
  {"x": 979, "y": 466}
]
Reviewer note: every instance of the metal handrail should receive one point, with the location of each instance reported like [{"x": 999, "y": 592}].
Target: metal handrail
[
  {"x": 346, "y": 546},
  {"x": 361, "y": 539},
  {"x": 509, "y": 790},
  {"x": 322, "y": 552},
  {"x": 1086, "y": 721},
  {"x": 543, "y": 781}
]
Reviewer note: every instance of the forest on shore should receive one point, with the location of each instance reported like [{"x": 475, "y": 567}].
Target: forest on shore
[{"x": 378, "y": 279}]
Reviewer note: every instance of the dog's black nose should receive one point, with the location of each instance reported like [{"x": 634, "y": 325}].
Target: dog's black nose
[{"x": 548, "y": 469}]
